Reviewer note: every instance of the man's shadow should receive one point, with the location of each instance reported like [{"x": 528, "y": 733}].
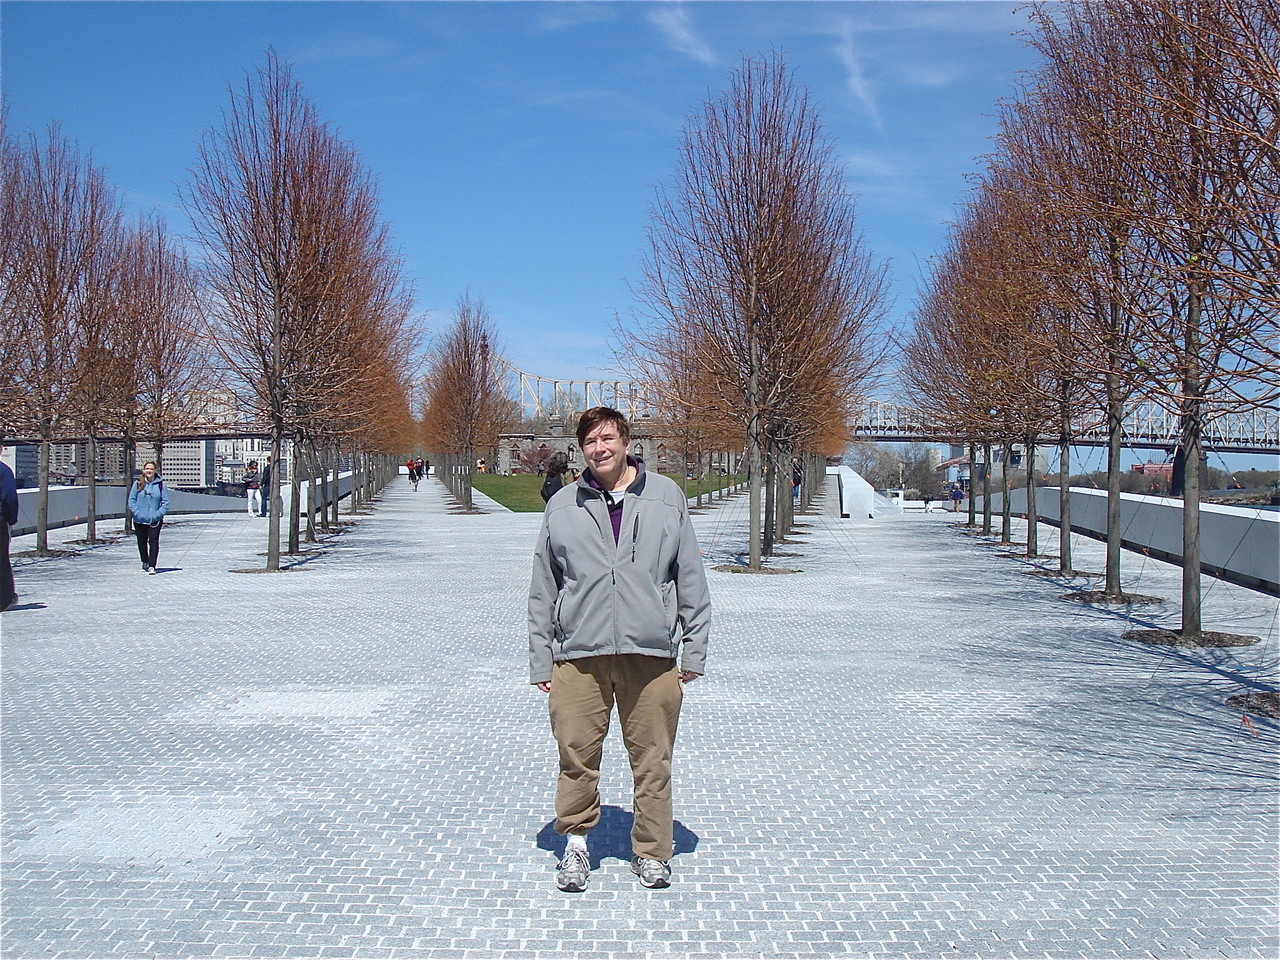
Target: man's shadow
[
  {"x": 611, "y": 837},
  {"x": 29, "y": 605}
]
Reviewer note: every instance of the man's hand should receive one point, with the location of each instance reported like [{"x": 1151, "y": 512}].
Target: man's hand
[{"x": 544, "y": 686}]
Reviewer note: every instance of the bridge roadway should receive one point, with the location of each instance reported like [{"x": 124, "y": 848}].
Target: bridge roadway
[
  {"x": 1147, "y": 425},
  {"x": 908, "y": 749}
]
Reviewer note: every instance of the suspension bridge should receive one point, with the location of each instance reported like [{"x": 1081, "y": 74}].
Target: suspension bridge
[{"x": 1146, "y": 423}]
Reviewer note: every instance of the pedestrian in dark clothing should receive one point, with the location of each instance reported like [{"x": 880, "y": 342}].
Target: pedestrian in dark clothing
[
  {"x": 9, "y": 504},
  {"x": 266, "y": 490},
  {"x": 252, "y": 488},
  {"x": 557, "y": 466},
  {"x": 148, "y": 502}
]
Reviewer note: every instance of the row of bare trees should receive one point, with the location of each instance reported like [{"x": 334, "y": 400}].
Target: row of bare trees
[
  {"x": 761, "y": 297},
  {"x": 297, "y": 303},
  {"x": 1122, "y": 243},
  {"x": 98, "y": 312},
  {"x": 464, "y": 408},
  {"x": 306, "y": 301}
]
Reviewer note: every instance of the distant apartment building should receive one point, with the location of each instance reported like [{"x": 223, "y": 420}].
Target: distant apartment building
[
  {"x": 186, "y": 463},
  {"x": 233, "y": 457},
  {"x": 64, "y": 459},
  {"x": 215, "y": 408},
  {"x": 24, "y": 461},
  {"x": 108, "y": 465}
]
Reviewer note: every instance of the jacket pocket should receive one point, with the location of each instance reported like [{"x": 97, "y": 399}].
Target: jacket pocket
[
  {"x": 556, "y": 626},
  {"x": 671, "y": 607}
]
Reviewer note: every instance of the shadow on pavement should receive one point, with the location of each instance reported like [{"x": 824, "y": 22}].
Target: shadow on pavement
[
  {"x": 33, "y": 605},
  {"x": 611, "y": 837}
]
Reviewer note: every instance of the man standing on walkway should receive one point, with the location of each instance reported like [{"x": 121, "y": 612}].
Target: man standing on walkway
[{"x": 618, "y": 596}]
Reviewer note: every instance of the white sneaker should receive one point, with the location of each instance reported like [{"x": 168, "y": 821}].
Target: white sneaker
[
  {"x": 654, "y": 874},
  {"x": 151, "y": 570},
  {"x": 573, "y": 870}
]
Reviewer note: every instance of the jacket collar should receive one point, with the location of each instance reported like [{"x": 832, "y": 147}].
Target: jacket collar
[{"x": 587, "y": 479}]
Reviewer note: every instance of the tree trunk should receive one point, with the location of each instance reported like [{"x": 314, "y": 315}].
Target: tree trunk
[
  {"x": 355, "y": 482},
  {"x": 130, "y": 465},
  {"x": 91, "y": 491},
  {"x": 755, "y": 432},
  {"x": 1192, "y": 441},
  {"x": 1006, "y": 488},
  {"x": 973, "y": 473},
  {"x": 295, "y": 497},
  {"x": 1064, "y": 497},
  {"x": 1115, "y": 434},
  {"x": 697, "y": 470},
  {"x": 1033, "y": 513},
  {"x": 770, "y": 499},
  {"x": 313, "y": 465},
  {"x": 273, "y": 513},
  {"x": 986, "y": 489},
  {"x": 322, "y": 465},
  {"x": 335, "y": 516},
  {"x": 42, "y": 501}
]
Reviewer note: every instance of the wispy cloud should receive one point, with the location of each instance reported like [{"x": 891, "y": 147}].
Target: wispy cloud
[
  {"x": 855, "y": 77},
  {"x": 604, "y": 104},
  {"x": 872, "y": 166},
  {"x": 349, "y": 47},
  {"x": 564, "y": 15},
  {"x": 674, "y": 23}
]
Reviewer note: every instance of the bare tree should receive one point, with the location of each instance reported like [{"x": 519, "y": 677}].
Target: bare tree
[
  {"x": 169, "y": 363},
  {"x": 101, "y": 379},
  {"x": 14, "y": 319},
  {"x": 464, "y": 410},
  {"x": 756, "y": 271},
  {"x": 1181, "y": 111},
  {"x": 60, "y": 214},
  {"x": 287, "y": 219},
  {"x": 1073, "y": 141}
]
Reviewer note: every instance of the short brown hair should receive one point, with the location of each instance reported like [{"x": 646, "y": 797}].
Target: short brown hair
[{"x": 598, "y": 415}]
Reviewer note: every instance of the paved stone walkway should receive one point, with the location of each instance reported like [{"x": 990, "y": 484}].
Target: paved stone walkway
[{"x": 908, "y": 749}]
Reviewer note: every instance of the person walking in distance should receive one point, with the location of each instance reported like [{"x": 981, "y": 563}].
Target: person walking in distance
[
  {"x": 619, "y": 614},
  {"x": 148, "y": 503},
  {"x": 9, "y": 509},
  {"x": 266, "y": 490},
  {"x": 557, "y": 467},
  {"x": 252, "y": 488}
]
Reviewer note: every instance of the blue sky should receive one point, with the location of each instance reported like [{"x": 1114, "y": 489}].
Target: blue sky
[{"x": 518, "y": 143}]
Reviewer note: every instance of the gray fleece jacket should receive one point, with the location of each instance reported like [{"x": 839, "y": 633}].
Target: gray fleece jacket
[{"x": 647, "y": 594}]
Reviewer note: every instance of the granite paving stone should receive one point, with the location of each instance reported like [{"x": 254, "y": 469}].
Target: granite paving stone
[{"x": 908, "y": 747}]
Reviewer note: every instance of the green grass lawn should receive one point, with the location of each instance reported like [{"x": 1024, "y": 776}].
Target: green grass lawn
[{"x": 519, "y": 492}]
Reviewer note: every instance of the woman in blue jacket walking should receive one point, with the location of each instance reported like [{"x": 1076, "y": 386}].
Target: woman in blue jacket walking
[{"x": 148, "y": 502}]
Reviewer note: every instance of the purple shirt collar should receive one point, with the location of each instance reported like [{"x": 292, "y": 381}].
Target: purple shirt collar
[{"x": 615, "y": 506}]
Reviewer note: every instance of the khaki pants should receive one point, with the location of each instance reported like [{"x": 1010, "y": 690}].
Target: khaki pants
[{"x": 648, "y": 694}]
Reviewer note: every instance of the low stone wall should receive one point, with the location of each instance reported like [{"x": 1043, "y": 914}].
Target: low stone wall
[
  {"x": 68, "y": 505},
  {"x": 1238, "y": 544}
]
